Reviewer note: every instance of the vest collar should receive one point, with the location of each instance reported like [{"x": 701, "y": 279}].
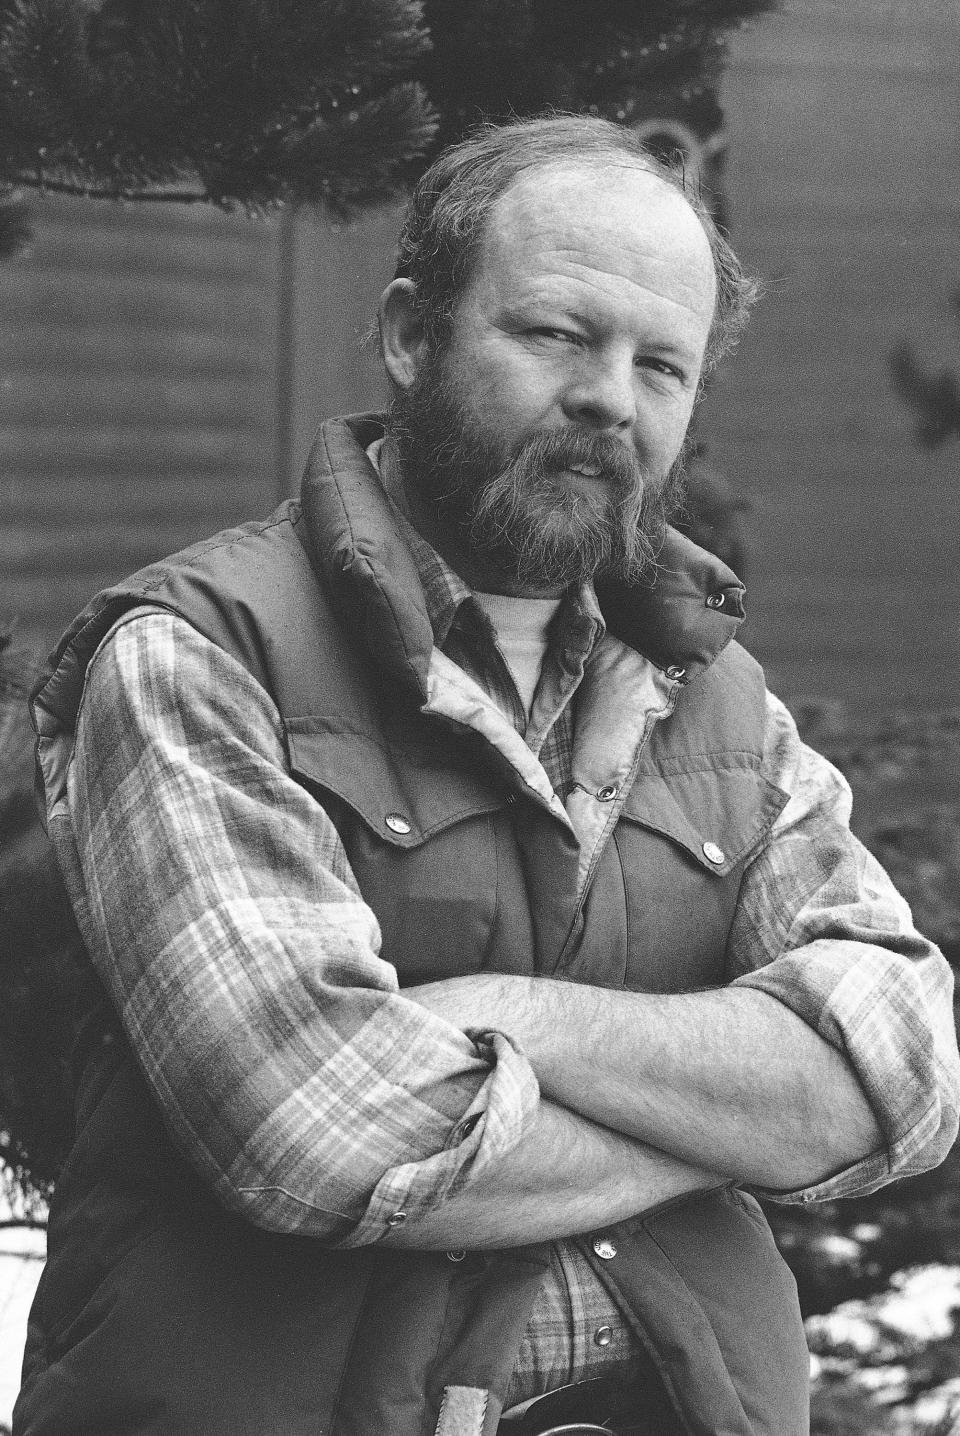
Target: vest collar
[
  {"x": 681, "y": 621},
  {"x": 685, "y": 618},
  {"x": 356, "y": 545}
]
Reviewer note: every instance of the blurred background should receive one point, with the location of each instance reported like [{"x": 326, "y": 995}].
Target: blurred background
[
  {"x": 164, "y": 366},
  {"x": 165, "y": 359}
]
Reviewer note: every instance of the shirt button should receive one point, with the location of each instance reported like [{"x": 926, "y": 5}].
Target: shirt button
[
  {"x": 716, "y": 600},
  {"x": 608, "y": 792},
  {"x": 604, "y": 1248},
  {"x": 603, "y": 1336},
  {"x": 397, "y": 823},
  {"x": 396, "y": 1219},
  {"x": 713, "y": 854},
  {"x": 676, "y": 672}
]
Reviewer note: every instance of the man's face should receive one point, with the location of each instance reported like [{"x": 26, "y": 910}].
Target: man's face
[{"x": 548, "y": 428}]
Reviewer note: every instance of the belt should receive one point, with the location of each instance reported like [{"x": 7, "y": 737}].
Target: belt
[{"x": 602, "y": 1405}]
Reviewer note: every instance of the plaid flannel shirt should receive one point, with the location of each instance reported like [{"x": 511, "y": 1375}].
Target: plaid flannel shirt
[{"x": 221, "y": 909}]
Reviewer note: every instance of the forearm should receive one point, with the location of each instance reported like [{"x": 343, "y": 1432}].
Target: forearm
[
  {"x": 731, "y": 1080},
  {"x": 567, "y": 1176}
]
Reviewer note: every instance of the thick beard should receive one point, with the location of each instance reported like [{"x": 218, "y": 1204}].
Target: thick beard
[{"x": 519, "y": 514}]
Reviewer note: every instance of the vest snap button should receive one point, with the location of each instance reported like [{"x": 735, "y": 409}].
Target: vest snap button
[
  {"x": 397, "y": 823},
  {"x": 604, "y": 1248},
  {"x": 396, "y": 1219},
  {"x": 608, "y": 792},
  {"x": 713, "y": 854},
  {"x": 603, "y": 1336},
  {"x": 716, "y": 600},
  {"x": 676, "y": 672},
  {"x": 456, "y": 1256}
]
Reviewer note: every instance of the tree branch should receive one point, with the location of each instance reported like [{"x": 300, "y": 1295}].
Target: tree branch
[{"x": 47, "y": 185}]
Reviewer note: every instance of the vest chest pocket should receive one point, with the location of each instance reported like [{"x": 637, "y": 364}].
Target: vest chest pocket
[
  {"x": 684, "y": 837},
  {"x": 430, "y": 844}
]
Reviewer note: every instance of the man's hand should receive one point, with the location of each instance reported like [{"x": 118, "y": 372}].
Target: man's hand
[{"x": 729, "y": 1079}]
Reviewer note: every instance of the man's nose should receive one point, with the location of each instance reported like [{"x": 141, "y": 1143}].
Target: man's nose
[{"x": 602, "y": 395}]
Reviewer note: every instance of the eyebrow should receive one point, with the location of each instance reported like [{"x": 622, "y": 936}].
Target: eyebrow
[{"x": 518, "y": 312}]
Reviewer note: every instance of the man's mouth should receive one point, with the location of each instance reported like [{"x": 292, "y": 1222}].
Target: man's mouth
[{"x": 588, "y": 470}]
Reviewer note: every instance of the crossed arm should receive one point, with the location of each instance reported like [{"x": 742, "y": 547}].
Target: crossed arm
[
  {"x": 223, "y": 915},
  {"x": 730, "y": 1079},
  {"x": 651, "y": 1096}
]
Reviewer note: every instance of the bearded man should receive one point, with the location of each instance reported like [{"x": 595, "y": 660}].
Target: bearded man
[{"x": 476, "y": 934}]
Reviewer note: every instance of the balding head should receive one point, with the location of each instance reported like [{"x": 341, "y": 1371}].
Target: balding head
[{"x": 451, "y": 209}]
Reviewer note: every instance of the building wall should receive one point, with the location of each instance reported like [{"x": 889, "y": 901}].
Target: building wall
[
  {"x": 138, "y": 364},
  {"x": 844, "y": 191},
  {"x": 336, "y": 278},
  {"x": 162, "y": 371}
]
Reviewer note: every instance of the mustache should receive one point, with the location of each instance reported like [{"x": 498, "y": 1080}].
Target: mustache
[{"x": 575, "y": 447}]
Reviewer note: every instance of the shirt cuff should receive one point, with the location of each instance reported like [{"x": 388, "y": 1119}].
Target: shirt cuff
[
  {"x": 909, "y": 1084},
  {"x": 861, "y": 1178},
  {"x": 490, "y": 1127}
]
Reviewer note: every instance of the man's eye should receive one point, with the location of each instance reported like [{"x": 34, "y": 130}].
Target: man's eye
[
  {"x": 659, "y": 366},
  {"x": 559, "y": 336}
]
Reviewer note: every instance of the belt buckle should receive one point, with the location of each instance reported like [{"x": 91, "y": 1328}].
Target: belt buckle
[
  {"x": 584, "y": 1408},
  {"x": 577, "y": 1428},
  {"x": 599, "y": 1406}
]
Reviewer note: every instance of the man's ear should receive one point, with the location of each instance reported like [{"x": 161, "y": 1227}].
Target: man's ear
[{"x": 402, "y": 336}]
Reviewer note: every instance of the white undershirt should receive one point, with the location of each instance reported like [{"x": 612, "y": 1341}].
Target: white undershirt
[{"x": 521, "y": 626}]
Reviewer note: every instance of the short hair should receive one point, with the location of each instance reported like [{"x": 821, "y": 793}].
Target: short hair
[{"x": 446, "y": 218}]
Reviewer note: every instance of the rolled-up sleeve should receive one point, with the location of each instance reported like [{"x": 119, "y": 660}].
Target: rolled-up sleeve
[
  {"x": 820, "y": 927},
  {"x": 221, "y": 912}
]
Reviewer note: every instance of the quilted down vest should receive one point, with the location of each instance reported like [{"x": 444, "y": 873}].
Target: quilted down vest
[{"x": 161, "y": 1313}]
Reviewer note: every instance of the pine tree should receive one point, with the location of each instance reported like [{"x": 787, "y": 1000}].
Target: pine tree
[
  {"x": 235, "y": 101},
  {"x": 618, "y": 58},
  {"x": 257, "y": 102}
]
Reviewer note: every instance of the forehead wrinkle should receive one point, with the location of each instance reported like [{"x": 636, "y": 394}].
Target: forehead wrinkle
[{"x": 569, "y": 265}]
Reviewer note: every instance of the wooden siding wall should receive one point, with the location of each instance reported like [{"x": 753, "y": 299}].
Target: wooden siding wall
[
  {"x": 335, "y": 278},
  {"x": 137, "y": 395},
  {"x": 844, "y": 188}
]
